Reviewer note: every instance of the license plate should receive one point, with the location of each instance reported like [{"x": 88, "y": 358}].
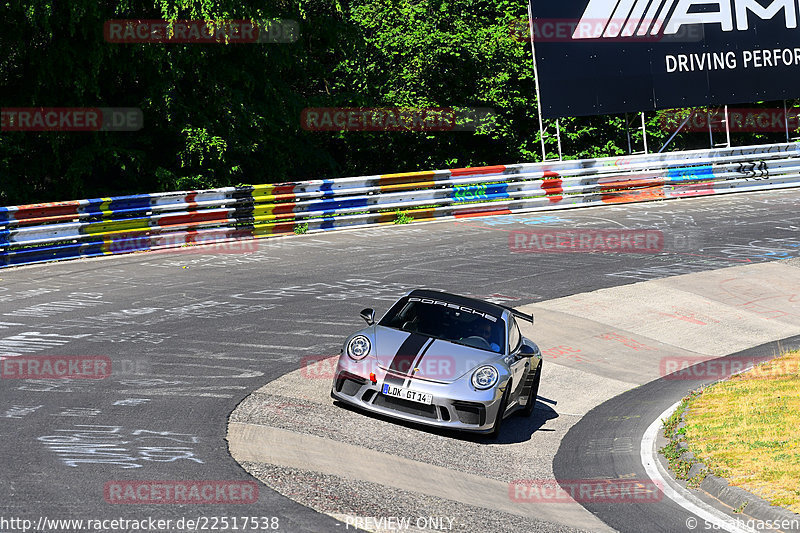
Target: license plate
[{"x": 406, "y": 394}]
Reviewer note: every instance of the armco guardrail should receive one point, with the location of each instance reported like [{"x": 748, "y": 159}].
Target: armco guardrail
[{"x": 103, "y": 226}]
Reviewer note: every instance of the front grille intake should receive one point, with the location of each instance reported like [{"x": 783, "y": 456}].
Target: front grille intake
[
  {"x": 349, "y": 384},
  {"x": 470, "y": 413}
]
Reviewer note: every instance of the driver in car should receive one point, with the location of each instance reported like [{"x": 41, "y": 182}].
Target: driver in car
[{"x": 485, "y": 331}]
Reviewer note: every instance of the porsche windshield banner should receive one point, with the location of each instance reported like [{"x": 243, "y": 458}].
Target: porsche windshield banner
[{"x": 612, "y": 56}]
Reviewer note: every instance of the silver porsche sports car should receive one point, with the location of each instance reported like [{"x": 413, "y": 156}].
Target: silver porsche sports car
[{"x": 442, "y": 360}]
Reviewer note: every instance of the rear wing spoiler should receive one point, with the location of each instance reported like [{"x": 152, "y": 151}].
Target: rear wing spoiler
[{"x": 518, "y": 314}]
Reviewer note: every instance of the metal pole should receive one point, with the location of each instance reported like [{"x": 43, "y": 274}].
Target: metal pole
[
  {"x": 628, "y": 133},
  {"x": 536, "y": 82},
  {"x": 677, "y": 131},
  {"x": 644, "y": 134},
  {"x": 558, "y": 136},
  {"x": 710, "y": 134},
  {"x": 786, "y": 120},
  {"x": 727, "y": 127}
]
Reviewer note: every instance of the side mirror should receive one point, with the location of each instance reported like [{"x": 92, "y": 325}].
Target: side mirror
[
  {"x": 526, "y": 350},
  {"x": 368, "y": 315}
]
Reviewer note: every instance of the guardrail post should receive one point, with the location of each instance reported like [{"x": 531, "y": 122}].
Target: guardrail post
[
  {"x": 727, "y": 128},
  {"x": 786, "y": 120},
  {"x": 558, "y": 137},
  {"x": 644, "y": 134},
  {"x": 628, "y": 134}
]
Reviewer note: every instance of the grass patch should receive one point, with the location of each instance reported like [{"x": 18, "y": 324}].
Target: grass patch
[
  {"x": 680, "y": 467},
  {"x": 674, "y": 419},
  {"x": 402, "y": 217},
  {"x": 747, "y": 430}
]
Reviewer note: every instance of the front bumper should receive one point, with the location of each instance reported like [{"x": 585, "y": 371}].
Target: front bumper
[{"x": 456, "y": 405}]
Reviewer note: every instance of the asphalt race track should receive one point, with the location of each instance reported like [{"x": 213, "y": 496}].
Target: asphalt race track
[{"x": 191, "y": 335}]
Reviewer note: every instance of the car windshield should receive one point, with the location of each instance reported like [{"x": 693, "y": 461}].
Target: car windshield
[{"x": 447, "y": 321}]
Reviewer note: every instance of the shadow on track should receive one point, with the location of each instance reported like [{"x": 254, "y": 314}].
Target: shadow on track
[{"x": 515, "y": 429}]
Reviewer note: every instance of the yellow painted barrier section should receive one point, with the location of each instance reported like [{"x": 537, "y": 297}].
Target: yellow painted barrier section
[
  {"x": 99, "y": 228},
  {"x": 405, "y": 181}
]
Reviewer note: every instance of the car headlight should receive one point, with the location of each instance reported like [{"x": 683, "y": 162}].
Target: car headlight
[
  {"x": 358, "y": 347},
  {"x": 485, "y": 377}
]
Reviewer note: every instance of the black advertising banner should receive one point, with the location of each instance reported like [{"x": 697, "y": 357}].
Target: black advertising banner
[{"x": 612, "y": 56}]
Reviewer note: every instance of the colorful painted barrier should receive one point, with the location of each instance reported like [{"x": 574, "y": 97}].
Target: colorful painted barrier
[{"x": 124, "y": 224}]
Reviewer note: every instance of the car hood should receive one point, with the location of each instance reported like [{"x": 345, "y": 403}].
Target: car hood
[{"x": 423, "y": 357}]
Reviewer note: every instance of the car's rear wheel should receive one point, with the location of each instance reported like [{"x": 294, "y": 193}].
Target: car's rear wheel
[
  {"x": 534, "y": 392},
  {"x": 498, "y": 421}
]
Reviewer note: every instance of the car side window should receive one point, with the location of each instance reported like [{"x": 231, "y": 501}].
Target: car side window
[{"x": 514, "y": 336}]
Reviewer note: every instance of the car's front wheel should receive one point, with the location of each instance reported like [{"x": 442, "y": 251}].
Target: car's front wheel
[{"x": 534, "y": 392}]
